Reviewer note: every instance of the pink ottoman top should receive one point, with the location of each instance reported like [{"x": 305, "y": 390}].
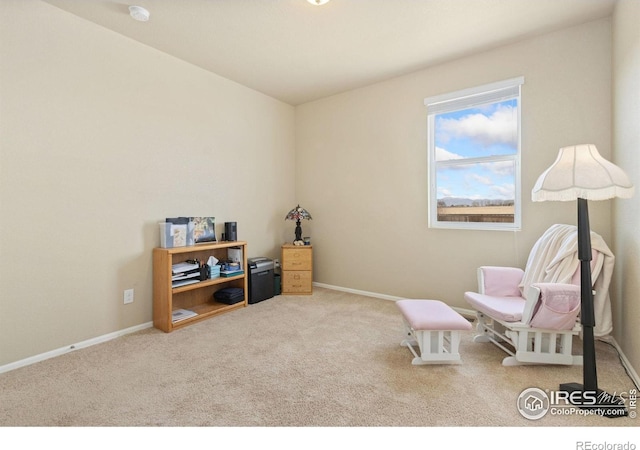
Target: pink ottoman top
[{"x": 431, "y": 315}]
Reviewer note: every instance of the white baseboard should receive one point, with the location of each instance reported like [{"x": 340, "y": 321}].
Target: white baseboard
[
  {"x": 72, "y": 347},
  {"x": 469, "y": 313},
  {"x": 357, "y": 292},
  {"x": 623, "y": 359}
]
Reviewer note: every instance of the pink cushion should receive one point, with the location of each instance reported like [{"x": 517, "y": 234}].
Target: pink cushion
[
  {"x": 501, "y": 281},
  {"x": 431, "y": 315},
  {"x": 508, "y": 309},
  {"x": 558, "y": 307}
]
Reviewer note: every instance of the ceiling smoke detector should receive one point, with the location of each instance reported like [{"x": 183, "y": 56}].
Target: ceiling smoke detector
[
  {"x": 318, "y": 2},
  {"x": 139, "y": 13}
]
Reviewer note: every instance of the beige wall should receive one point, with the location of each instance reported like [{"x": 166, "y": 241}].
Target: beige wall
[
  {"x": 102, "y": 138},
  {"x": 362, "y": 166},
  {"x": 626, "y": 153}
]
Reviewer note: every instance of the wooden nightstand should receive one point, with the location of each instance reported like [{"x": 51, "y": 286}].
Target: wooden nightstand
[{"x": 297, "y": 269}]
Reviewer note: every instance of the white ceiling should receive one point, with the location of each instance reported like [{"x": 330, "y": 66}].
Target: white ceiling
[{"x": 298, "y": 52}]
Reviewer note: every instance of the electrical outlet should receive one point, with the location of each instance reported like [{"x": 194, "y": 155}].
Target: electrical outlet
[
  {"x": 276, "y": 263},
  {"x": 128, "y": 296}
]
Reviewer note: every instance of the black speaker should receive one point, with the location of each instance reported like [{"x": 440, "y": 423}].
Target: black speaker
[{"x": 230, "y": 231}]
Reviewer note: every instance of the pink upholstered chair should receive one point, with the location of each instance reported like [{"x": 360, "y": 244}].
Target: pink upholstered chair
[{"x": 532, "y": 314}]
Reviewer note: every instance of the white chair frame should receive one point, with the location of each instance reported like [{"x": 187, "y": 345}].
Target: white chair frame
[{"x": 529, "y": 345}]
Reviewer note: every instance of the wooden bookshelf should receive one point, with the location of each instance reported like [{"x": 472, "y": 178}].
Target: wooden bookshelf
[{"x": 196, "y": 297}]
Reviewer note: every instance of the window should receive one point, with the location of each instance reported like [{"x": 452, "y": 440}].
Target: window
[{"x": 474, "y": 157}]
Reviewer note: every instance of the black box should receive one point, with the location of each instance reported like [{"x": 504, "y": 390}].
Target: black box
[{"x": 229, "y": 296}]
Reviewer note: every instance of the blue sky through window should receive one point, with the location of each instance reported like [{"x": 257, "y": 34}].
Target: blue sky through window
[
  {"x": 493, "y": 181},
  {"x": 486, "y": 131}
]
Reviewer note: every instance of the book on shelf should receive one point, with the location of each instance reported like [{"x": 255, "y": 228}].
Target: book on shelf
[
  {"x": 182, "y": 314},
  {"x": 178, "y": 283},
  {"x": 184, "y": 267},
  {"x": 184, "y": 275},
  {"x": 231, "y": 273}
]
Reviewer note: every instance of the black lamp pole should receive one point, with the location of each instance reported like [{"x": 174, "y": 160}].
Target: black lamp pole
[
  {"x": 587, "y": 315},
  {"x": 588, "y": 395},
  {"x": 298, "y": 231}
]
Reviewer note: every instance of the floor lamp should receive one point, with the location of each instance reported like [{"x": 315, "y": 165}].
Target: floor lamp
[{"x": 580, "y": 173}]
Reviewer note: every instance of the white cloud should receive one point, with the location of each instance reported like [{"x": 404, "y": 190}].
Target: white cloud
[
  {"x": 506, "y": 191},
  {"x": 498, "y": 128},
  {"x": 502, "y": 168},
  {"x": 445, "y": 155},
  {"x": 444, "y": 192},
  {"x": 480, "y": 179}
]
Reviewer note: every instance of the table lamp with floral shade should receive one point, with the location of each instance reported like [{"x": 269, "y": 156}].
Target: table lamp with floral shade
[{"x": 298, "y": 213}]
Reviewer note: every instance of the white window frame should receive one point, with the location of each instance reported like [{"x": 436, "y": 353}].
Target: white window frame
[{"x": 465, "y": 99}]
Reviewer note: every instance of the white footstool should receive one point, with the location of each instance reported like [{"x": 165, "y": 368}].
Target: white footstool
[{"x": 435, "y": 328}]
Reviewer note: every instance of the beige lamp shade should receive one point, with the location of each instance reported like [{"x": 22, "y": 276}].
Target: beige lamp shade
[{"x": 580, "y": 172}]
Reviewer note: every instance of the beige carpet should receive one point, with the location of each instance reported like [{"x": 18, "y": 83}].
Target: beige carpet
[{"x": 332, "y": 359}]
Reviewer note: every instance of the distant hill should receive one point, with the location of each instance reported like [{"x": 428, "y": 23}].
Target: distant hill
[
  {"x": 458, "y": 201},
  {"x": 455, "y": 201}
]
